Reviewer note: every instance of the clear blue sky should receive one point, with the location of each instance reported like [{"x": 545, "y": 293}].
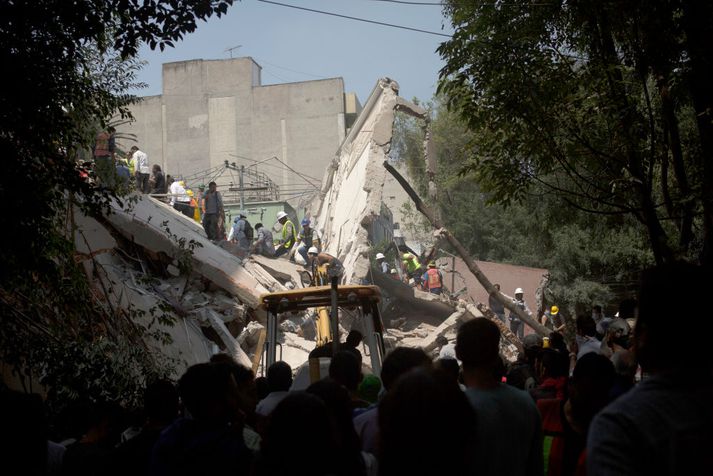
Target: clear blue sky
[{"x": 295, "y": 45}]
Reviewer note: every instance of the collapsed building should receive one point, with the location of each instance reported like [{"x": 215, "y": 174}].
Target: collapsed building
[{"x": 153, "y": 262}]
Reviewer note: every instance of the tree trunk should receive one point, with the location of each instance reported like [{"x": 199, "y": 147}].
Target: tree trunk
[
  {"x": 699, "y": 37},
  {"x": 679, "y": 168}
]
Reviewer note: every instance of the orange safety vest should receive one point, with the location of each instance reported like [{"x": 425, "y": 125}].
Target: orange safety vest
[{"x": 434, "y": 279}]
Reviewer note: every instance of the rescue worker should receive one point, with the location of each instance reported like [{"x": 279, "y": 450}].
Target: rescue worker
[
  {"x": 381, "y": 261},
  {"x": 324, "y": 266},
  {"x": 288, "y": 234},
  {"x": 307, "y": 238},
  {"x": 238, "y": 233},
  {"x": 213, "y": 213},
  {"x": 552, "y": 320},
  {"x": 194, "y": 206},
  {"x": 433, "y": 279},
  {"x": 516, "y": 325},
  {"x": 412, "y": 268},
  {"x": 263, "y": 245}
]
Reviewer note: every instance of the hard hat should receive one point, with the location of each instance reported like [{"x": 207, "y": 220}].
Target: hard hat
[
  {"x": 312, "y": 250},
  {"x": 305, "y": 221},
  {"x": 189, "y": 193},
  {"x": 554, "y": 310},
  {"x": 281, "y": 215},
  {"x": 393, "y": 271},
  {"x": 380, "y": 256},
  {"x": 407, "y": 255},
  {"x": 432, "y": 264},
  {"x": 181, "y": 183},
  {"x": 518, "y": 291}
]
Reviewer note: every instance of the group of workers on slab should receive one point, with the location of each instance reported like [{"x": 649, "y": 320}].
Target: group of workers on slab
[{"x": 429, "y": 279}]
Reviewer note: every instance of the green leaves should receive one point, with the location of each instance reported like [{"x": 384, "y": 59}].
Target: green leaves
[{"x": 572, "y": 98}]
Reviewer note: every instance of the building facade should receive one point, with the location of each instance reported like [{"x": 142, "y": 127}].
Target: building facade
[{"x": 213, "y": 111}]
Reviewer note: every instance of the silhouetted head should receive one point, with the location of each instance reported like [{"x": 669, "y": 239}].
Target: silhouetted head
[
  {"x": 590, "y": 386},
  {"x": 279, "y": 377},
  {"x": 425, "y": 414},
  {"x": 299, "y": 426},
  {"x": 478, "y": 343},
  {"x": 663, "y": 341},
  {"x": 401, "y": 360},
  {"x": 586, "y": 326},
  {"x": 161, "y": 401},
  {"x": 354, "y": 338},
  {"x": 345, "y": 368}
]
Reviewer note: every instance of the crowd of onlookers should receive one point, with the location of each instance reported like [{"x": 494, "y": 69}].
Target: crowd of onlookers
[{"x": 644, "y": 408}]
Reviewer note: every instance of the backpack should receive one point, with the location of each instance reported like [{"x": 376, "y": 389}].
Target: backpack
[{"x": 249, "y": 231}]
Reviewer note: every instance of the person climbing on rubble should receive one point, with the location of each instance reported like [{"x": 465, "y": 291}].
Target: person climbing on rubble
[
  {"x": 552, "y": 319},
  {"x": 264, "y": 244},
  {"x": 412, "y": 268},
  {"x": 516, "y": 325},
  {"x": 432, "y": 279},
  {"x": 213, "y": 214},
  {"x": 495, "y": 305},
  {"x": 382, "y": 263},
  {"x": 324, "y": 266},
  {"x": 288, "y": 234},
  {"x": 307, "y": 238},
  {"x": 240, "y": 230}
]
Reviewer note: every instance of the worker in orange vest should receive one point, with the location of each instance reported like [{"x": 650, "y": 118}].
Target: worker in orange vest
[{"x": 432, "y": 279}]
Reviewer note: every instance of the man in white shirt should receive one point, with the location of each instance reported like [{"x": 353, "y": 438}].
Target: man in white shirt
[
  {"x": 140, "y": 161},
  {"x": 180, "y": 199}
]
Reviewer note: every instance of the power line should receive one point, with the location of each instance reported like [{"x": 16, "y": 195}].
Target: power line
[
  {"x": 356, "y": 18},
  {"x": 261, "y": 61}
]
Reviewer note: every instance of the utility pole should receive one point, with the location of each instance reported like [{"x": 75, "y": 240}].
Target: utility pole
[{"x": 242, "y": 191}]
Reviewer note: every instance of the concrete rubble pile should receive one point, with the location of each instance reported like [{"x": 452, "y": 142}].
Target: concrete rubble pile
[{"x": 146, "y": 259}]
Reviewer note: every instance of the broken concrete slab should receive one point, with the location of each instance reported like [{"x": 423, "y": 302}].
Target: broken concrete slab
[
  {"x": 281, "y": 269},
  {"x": 187, "y": 345},
  {"x": 432, "y": 341},
  {"x": 90, "y": 236},
  {"x": 355, "y": 196},
  {"x": 231, "y": 344},
  {"x": 159, "y": 228}
]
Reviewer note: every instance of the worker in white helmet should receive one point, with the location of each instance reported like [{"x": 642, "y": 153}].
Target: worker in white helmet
[
  {"x": 516, "y": 325},
  {"x": 381, "y": 261},
  {"x": 324, "y": 266},
  {"x": 289, "y": 235}
]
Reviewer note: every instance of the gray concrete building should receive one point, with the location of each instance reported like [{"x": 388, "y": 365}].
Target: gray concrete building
[{"x": 212, "y": 111}]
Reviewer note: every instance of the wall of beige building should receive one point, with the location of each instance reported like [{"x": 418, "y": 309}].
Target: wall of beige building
[{"x": 211, "y": 111}]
